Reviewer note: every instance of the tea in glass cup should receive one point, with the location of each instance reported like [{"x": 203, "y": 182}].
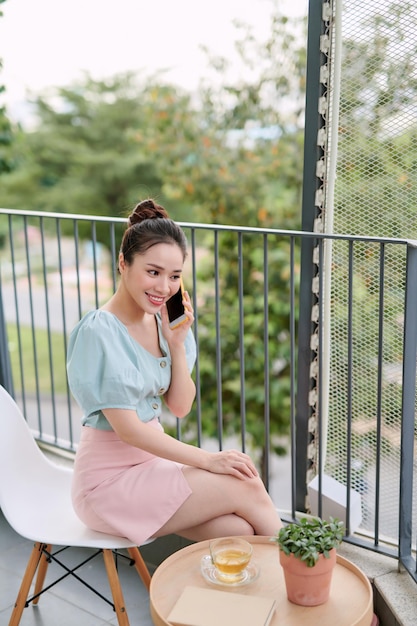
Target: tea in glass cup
[{"x": 230, "y": 556}]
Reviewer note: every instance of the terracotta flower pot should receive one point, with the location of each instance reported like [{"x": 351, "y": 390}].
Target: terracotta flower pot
[{"x": 307, "y": 586}]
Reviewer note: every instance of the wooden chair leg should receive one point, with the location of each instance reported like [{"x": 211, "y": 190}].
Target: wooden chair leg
[
  {"x": 116, "y": 590},
  {"x": 26, "y": 583},
  {"x": 140, "y": 565},
  {"x": 40, "y": 578}
]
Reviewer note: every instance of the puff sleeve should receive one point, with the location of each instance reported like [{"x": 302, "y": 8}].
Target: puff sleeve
[{"x": 102, "y": 365}]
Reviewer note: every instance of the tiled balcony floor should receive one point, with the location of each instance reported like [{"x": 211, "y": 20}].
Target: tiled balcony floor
[{"x": 69, "y": 603}]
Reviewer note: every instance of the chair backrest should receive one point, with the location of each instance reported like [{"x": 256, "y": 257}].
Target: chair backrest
[
  {"x": 24, "y": 469},
  {"x": 18, "y": 448},
  {"x": 35, "y": 493}
]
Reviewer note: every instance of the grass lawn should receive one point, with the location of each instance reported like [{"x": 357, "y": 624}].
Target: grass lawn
[{"x": 37, "y": 359}]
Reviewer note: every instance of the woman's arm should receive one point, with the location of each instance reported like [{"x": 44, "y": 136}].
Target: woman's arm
[
  {"x": 181, "y": 393},
  {"x": 134, "y": 432}
]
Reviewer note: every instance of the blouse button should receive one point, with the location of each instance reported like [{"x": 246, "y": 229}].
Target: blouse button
[
  {"x": 161, "y": 391},
  {"x": 163, "y": 364},
  {"x": 155, "y": 405}
]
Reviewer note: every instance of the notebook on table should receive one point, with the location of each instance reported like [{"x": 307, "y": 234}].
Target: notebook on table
[{"x": 210, "y": 607}]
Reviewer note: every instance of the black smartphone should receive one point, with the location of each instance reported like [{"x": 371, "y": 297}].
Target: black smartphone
[{"x": 175, "y": 307}]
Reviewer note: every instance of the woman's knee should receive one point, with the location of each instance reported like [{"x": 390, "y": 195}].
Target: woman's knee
[
  {"x": 256, "y": 487},
  {"x": 255, "y": 493}
]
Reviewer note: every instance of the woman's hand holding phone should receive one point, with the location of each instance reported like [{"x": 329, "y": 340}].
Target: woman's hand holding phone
[
  {"x": 178, "y": 312},
  {"x": 175, "y": 307}
]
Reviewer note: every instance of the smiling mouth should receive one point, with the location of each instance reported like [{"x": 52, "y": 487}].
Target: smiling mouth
[{"x": 156, "y": 300}]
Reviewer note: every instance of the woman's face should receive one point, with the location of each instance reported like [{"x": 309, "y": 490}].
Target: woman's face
[{"x": 153, "y": 277}]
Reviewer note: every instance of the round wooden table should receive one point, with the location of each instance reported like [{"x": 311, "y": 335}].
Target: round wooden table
[{"x": 350, "y": 602}]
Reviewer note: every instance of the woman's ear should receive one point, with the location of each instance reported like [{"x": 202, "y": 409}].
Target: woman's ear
[{"x": 122, "y": 263}]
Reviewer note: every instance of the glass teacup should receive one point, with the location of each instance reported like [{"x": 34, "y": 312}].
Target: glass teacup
[{"x": 230, "y": 556}]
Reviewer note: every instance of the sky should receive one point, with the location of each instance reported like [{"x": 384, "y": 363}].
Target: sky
[{"x": 47, "y": 43}]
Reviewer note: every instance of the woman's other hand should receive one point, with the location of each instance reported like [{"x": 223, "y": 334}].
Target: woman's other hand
[{"x": 232, "y": 462}]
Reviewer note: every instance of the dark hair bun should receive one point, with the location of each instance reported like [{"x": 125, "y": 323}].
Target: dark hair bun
[{"x": 146, "y": 210}]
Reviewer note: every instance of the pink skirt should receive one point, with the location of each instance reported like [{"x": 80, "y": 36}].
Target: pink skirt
[{"x": 123, "y": 490}]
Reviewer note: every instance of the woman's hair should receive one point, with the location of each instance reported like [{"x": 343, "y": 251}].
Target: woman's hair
[{"x": 147, "y": 225}]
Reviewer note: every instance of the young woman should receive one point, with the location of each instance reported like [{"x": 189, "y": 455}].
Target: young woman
[{"x": 131, "y": 478}]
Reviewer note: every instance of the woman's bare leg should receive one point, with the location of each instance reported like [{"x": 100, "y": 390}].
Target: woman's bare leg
[
  {"x": 222, "y": 505},
  {"x": 225, "y": 526}
]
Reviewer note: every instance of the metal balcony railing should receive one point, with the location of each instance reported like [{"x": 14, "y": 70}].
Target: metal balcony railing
[{"x": 246, "y": 285}]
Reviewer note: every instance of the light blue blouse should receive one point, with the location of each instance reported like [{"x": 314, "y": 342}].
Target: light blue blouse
[{"x": 107, "y": 368}]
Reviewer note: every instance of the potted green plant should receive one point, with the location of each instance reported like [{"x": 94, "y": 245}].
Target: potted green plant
[{"x": 307, "y": 552}]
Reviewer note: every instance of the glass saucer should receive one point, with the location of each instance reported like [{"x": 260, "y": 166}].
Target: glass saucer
[{"x": 209, "y": 572}]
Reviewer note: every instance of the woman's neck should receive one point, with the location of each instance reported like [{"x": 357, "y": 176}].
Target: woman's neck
[{"x": 126, "y": 311}]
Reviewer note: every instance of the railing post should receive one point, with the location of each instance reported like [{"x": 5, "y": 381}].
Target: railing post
[
  {"x": 408, "y": 411},
  {"x": 313, "y": 152},
  {"x": 6, "y": 378}
]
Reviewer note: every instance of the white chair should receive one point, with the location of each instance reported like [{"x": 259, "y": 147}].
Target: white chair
[{"x": 35, "y": 499}]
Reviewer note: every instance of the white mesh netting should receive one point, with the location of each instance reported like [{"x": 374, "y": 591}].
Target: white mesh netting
[{"x": 375, "y": 194}]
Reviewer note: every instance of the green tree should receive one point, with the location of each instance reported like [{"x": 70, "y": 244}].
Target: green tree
[
  {"x": 249, "y": 172},
  {"x": 5, "y": 131},
  {"x": 258, "y": 123},
  {"x": 99, "y": 146}
]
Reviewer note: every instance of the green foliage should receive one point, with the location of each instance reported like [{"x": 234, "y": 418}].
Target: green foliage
[
  {"x": 50, "y": 359},
  {"x": 272, "y": 92},
  {"x": 256, "y": 339},
  {"x": 99, "y": 146},
  {"x": 6, "y": 163},
  {"x": 248, "y": 172},
  {"x": 309, "y": 538}
]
